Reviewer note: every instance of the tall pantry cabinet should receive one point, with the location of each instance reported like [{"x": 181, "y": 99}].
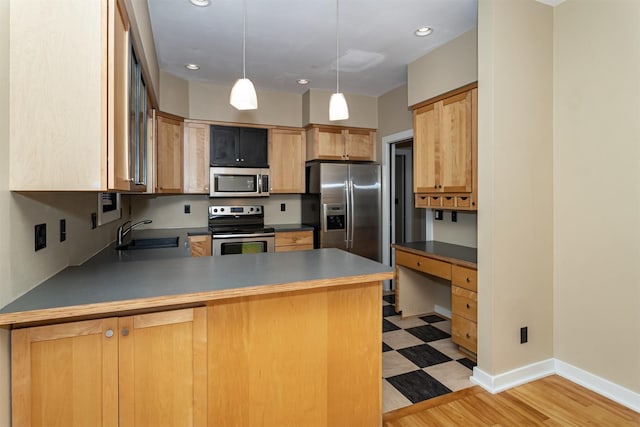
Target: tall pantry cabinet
[{"x": 79, "y": 108}]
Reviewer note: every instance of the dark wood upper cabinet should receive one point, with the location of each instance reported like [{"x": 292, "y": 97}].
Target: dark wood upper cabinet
[{"x": 239, "y": 146}]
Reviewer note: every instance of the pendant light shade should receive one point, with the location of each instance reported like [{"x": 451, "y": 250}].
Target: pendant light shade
[
  {"x": 243, "y": 94},
  {"x": 338, "y": 109}
]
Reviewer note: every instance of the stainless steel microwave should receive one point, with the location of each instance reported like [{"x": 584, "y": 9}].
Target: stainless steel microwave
[{"x": 238, "y": 182}]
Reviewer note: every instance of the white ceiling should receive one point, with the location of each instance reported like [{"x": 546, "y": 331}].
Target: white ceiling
[{"x": 292, "y": 39}]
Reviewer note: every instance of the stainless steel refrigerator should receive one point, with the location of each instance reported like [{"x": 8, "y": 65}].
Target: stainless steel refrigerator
[{"x": 342, "y": 202}]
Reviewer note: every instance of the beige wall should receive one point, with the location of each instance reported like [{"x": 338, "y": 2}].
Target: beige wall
[
  {"x": 363, "y": 110},
  {"x": 597, "y": 154},
  {"x": 174, "y": 95},
  {"x": 211, "y": 102},
  {"x": 168, "y": 211},
  {"x": 450, "y": 66},
  {"x": 463, "y": 232},
  {"x": 5, "y": 227},
  {"x": 515, "y": 222}
]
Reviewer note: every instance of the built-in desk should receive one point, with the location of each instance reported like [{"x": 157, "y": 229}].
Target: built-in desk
[{"x": 421, "y": 266}]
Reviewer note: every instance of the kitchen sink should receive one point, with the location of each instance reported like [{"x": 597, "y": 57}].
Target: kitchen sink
[{"x": 150, "y": 243}]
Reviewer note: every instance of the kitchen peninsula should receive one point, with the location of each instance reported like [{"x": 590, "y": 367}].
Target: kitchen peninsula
[{"x": 274, "y": 339}]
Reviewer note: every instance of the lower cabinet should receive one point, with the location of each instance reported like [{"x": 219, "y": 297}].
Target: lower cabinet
[
  {"x": 294, "y": 240},
  {"x": 464, "y": 307},
  {"x": 200, "y": 245},
  {"x": 143, "y": 370},
  {"x": 296, "y": 358}
]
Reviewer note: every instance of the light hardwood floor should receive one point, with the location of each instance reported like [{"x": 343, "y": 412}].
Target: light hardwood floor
[{"x": 551, "y": 401}]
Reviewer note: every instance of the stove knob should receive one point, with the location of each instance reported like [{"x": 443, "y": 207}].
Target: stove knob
[
  {"x": 221, "y": 209},
  {"x": 215, "y": 210},
  {"x": 251, "y": 209}
]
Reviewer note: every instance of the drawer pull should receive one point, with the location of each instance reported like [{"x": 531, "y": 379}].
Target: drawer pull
[
  {"x": 468, "y": 336},
  {"x": 468, "y": 280},
  {"x": 418, "y": 263},
  {"x": 108, "y": 333},
  {"x": 125, "y": 332},
  {"x": 468, "y": 306}
]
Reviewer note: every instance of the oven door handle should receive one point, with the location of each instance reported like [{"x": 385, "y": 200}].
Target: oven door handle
[{"x": 239, "y": 236}]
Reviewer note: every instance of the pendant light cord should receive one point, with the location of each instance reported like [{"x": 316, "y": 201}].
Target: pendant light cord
[
  {"x": 337, "y": 46},
  {"x": 244, "y": 35}
]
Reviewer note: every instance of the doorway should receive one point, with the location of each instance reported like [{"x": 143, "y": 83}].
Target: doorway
[{"x": 407, "y": 223}]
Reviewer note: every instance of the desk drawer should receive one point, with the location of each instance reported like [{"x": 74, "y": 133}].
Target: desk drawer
[
  {"x": 464, "y": 333},
  {"x": 464, "y": 277},
  {"x": 464, "y": 303},
  {"x": 424, "y": 264}
]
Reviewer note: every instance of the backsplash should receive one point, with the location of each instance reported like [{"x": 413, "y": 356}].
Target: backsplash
[{"x": 169, "y": 211}]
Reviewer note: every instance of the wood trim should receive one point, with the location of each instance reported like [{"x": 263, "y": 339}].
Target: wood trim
[
  {"x": 335, "y": 127},
  {"x": 445, "y": 95},
  {"x": 106, "y": 309},
  {"x": 200, "y": 369},
  {"x": 238, "y": 124},
  {"x": 431, "y": 403},
  {"x": 169, "y": 116},
  {"x": 162, "y": 318},
  {"x": 54, "y": 332},
  {"x": 452, "y": 261}
]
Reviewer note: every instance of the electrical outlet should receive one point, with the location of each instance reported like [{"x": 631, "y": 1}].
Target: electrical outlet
[
  {"x": 283, "y": 207},
  {"x": 40, "y": 236},
  {"x": 187, "y": 209},
  {"x": 439, "y": 215},
  {"x": 454, "y": 216},
  {"x": 63, "y": 230},
  {"x": 524, "y": 332}
]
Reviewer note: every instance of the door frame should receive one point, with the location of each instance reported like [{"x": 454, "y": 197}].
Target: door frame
[{"x": 387, "y": 207}]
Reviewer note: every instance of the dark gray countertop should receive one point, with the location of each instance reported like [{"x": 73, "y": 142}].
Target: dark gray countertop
[
  {"x": 455, "y": 254},
  {"x": 291, "y": 227},
  {"x": 105, "y": 284}
]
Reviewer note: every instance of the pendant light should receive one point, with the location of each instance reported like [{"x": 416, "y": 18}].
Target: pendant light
[
  {"x": 243, "y": 94},
  {"x": 338, "y": 109}
]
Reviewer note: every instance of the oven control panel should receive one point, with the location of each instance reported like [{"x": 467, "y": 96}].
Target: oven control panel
[{"x": 235, "y": 210}]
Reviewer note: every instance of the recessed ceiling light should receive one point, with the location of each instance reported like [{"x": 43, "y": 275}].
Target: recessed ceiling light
[
  {"x": 200, "y": 3},
  {"x": 423, "y": 31},
  {"x": 193, "y": 67},
  {"x": 303, "y": 81}
]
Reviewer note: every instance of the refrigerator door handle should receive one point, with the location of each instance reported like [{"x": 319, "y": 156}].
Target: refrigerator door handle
[
  {"x": 347, "y": 234},
  {"x": 352, "y": 215}
]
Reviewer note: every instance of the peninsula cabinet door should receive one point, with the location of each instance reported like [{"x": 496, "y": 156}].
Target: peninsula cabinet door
[
  {"x": 163, "y": 369},
  {"x": 65, "y": 375}
]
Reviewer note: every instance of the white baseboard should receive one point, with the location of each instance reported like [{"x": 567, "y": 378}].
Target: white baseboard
[
  {"x": 497, "y": 383},
  {"x": 441, "y": 310},
  {"x": 613, "y": 391}
]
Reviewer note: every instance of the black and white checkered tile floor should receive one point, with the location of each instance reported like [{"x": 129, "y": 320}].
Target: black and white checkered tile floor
[{"x": 419, "y": 361}]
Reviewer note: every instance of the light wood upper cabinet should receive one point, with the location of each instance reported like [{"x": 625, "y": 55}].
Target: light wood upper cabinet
[
  {"x": 340, "y": 143},
  {"x": 445, "y": 151},
  {"x": 142, "y": 370},
  {"x": 196, "y": 158},
  {"x": 69, "y": 125},
  {"x": 169, "y": 152},
  {"x": 287, "y": 153}
]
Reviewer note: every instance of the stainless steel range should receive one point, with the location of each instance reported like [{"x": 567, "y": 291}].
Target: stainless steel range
[{"x": 239, "y": 230}]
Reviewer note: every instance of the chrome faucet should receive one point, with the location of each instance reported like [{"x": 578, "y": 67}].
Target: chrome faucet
[{"x": 123, "y": 230}]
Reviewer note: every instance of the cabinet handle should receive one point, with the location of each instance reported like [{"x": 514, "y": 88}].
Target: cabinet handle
[
  {"x": 468, "y": 336},
  {"x": 418, "y": 263},
  {"x": 108, "y": 333},
  {"x": 125, "y": 332},
  {"x": 468, "y": 306},
  {"x": 468, "y": 280}
]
